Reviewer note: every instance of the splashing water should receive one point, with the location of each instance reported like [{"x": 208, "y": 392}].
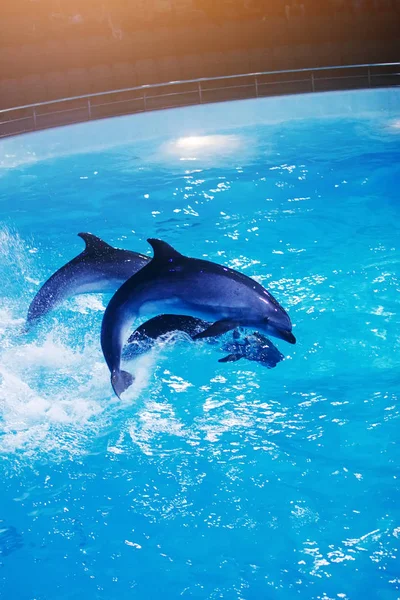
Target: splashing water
[{"x": 51, "y": 380}]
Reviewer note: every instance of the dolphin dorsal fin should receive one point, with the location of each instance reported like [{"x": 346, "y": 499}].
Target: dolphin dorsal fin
[
  {"x": 94, "y": 245},
  {"x": 163, "y": 251}
]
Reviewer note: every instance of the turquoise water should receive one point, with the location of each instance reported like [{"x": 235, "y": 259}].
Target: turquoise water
[{"x": 208, "y": 480}]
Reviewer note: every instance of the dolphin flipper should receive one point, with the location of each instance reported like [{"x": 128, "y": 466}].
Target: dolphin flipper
[
  {"x": 217, "y": 328},
  {"x": 120, "y": 381},
  {"x": 230, "y": 358}
]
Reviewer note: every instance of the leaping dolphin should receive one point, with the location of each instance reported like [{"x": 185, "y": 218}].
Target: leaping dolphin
[
  {"x": 173, "y": 283},
  {"x": 254, "y": 346},
  {"x": 99, "y": 268}
]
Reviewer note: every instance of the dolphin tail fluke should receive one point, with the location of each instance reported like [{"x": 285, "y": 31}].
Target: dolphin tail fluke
[{"x": 120, "y": 381}]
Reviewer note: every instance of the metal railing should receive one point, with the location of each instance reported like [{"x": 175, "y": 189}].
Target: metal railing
[{"x": 174, "y": 94}]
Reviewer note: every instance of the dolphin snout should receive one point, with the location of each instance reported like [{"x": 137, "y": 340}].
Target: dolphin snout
[
  {"x": 279, "y": 325},
  {"x": 281, "y": 332},
  {"x": 287, "y": 336}
]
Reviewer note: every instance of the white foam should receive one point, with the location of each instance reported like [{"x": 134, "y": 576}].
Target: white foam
[
  {"x": 15, "y": 255},
  {"x": 54, "y": 399},
  {"x": 88, "y": 302},
  {"x": 55, "y": 392},
  {"x": 142, "y": 367},
  {"x": 29, "y": 410},
  {"x": 8, "y": 321},
  {"x": 49, "y": 354}
]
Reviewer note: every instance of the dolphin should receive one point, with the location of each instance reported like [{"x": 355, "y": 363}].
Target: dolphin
[
  {"x": 254, "y": 347},
  {"x": 99, "y": 268},
  {"x": 177, "y": 284}
]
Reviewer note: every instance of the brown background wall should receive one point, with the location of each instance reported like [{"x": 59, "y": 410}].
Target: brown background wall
[{"x": 47, "y": 69}]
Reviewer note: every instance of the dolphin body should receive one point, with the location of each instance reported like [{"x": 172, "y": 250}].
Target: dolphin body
[
  {"x": 254, "y": 347},
  {"x": 176, "y": 284},
  {"x": 99, "y": 268}
]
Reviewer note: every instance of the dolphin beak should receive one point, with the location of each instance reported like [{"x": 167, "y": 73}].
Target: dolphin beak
[
  {"x": 291, "y": 339},
  {"x": 287, "y": 336}
]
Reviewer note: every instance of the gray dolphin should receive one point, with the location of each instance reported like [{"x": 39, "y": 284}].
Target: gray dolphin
[
  {"x": 254, "y": 346},
  {"x": 99, "y": 268},
  {"x": 176, "y": 284}
]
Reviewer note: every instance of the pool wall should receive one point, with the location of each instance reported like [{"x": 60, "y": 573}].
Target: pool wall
[
  {"x": 176, "y": 94},
  {"x": 185, "y": 122}
]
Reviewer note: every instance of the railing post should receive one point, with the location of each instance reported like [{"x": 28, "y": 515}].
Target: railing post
[
  {"x": 312, "y": 82},
  {"x": 256, "y": 82},
  {"x": 200, "y": 92},
  {"x": 34, "y": 117},
  {"x": 144, "y": 101},
  {"x": 369, "y": 76},
  {"x": 89, "y": 107}
]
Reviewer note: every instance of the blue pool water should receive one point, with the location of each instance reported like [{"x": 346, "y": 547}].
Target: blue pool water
[{"x": 208, "y": 480}]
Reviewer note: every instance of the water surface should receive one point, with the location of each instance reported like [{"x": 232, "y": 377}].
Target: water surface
[{"x": 208, "y": 480}]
